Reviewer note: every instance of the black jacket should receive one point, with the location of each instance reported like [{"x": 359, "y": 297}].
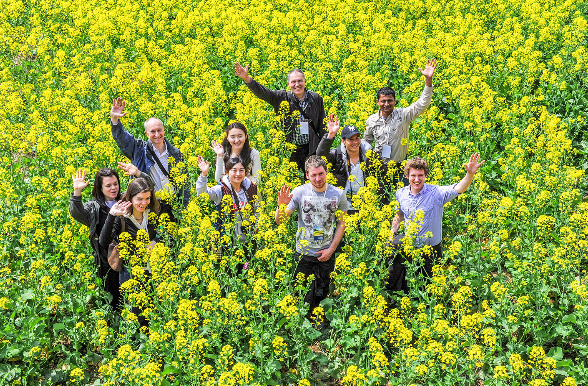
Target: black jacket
[
  {"x": 112, "y": 230},
  {"x": 341, "y": 165},
  {"x": 315, "y": 111},
  {"x": 93, "y": 215}
]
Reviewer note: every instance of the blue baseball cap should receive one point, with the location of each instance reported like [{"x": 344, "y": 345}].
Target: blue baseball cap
[{"x": 349, "y": 131}]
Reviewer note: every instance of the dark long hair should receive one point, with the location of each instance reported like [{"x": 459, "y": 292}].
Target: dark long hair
[
  {"x": 97, "y": 189},
  {"x": 245, "y": 152},
  {"x": 140, "y": 185}
]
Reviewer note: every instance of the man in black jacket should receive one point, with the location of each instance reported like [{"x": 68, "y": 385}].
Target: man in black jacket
[
  {"x": 303, "y": 122},
  {"x": 347, "y": 159}
]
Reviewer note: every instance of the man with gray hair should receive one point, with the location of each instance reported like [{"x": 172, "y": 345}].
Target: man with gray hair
[
  {"x": 303, "y": 121},
  {"x": 150, "y": 157}
]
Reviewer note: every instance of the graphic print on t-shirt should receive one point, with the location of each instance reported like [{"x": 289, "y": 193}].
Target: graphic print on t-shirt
[{"x": 318, "y": 216}]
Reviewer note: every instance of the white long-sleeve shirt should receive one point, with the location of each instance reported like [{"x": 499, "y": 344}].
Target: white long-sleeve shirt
[{"x": 392, "y": 130}]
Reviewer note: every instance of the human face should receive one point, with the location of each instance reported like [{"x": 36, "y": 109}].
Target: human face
[
  {"x": 140, "y": 202},
  {"x": 236, "y": 174},
  {"x": 317, "y": 178},
  {"x": 386, "y": 103},
  {"x": 297, "y": 84},
  {"x": 236, "y": 138},
  {"x": 110, "y": 188},
  {"x": 154, "y": 131},
  {"x": 416, "y": 179},
  {"x": 352, "y": 144}
]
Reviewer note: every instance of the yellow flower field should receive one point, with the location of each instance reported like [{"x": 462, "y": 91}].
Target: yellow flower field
[{"x": 508, "y": 306}]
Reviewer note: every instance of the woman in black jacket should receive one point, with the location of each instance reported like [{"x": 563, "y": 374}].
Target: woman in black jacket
[
  {"x": 106, "y": 192},
  {"x": 347, "y": 160},
  {"x": 134, "y": 208}
]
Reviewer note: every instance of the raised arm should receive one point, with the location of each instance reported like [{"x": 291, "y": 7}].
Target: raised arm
[
  {"x": 327, "y": 141},
  {"x": 76, "y": 207},
  {"x": 125, "y": 141},
  {"x": 219, "y": 170},
  {"x": 243, "y": 73},
  {"x": 429, "y": 71},
  {"x": 201, "y": 184},
  {"x": 273, "y": 97},
  {"x": 471, "y": 169},
  {"x": 284, "y": 198},
  {"x": 418, "y": 107}
]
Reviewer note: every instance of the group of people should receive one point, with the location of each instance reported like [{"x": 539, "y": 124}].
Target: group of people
[{"x": 321, "y": 206}]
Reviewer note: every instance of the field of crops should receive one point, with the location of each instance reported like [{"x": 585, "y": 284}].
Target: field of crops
[{"x": 509, "y": 306}]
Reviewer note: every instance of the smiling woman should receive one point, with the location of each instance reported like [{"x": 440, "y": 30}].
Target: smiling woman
[
  {"x": 236, "y": 145},
  {"x": 93, "y": 214},
  {"x": 134, "y": 208}
]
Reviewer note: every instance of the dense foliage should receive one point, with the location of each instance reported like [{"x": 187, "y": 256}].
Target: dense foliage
[{"x": 507, "y": 307}]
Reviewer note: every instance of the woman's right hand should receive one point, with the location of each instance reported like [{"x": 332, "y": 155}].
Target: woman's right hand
[
  {"x": 79, "y": 182},
  {"x": 204, "y": 165},
  {"x": 120, "y": 208},
  {"x": 217, "y": 148}
]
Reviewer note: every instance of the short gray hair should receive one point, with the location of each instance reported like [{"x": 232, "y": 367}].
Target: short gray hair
[
  {"x": 293, "y": 71},
  {"x": 151, "y": 119}
]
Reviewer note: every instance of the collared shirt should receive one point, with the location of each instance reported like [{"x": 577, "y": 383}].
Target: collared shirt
[
  {"x": 430, "y": 200},
  {"x": 393, "y": 130},
  {"x": 302, "y": 139},
  {"x": 159, "y": 178}
]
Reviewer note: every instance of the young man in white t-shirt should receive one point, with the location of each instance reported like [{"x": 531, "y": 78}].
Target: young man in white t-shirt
[{"x": 321, "y": 227}]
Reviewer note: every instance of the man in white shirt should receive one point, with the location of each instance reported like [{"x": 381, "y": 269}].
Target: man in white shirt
[{"x": 388, "y": 129}]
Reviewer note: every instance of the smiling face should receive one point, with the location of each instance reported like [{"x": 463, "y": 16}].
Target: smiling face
[
  {"x": 110, "y": 188},
  {"x": 236, "y": 174},
  {"x": 297, "y": 84},
  {"x": 236, "y": 138},
  {"x": 386, "y": 103},
  {"x": 140, "y": 202},
  {"x": 317, "y": 177},
  {"x": 154, "y": 131},
  {"x": 352, "y": 144},
  {"x": 416, "y": 179}
]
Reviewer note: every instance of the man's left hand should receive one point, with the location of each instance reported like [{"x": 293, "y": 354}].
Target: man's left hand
[
  {"x": 473, "y": 166},
  {"x": 429, "y": 71},
  {"x": 325, "y": 254}
]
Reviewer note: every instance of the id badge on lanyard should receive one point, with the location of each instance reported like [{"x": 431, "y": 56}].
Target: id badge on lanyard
[
  {"x": 386, "y": 151},
  {"x": 303, "y": 127},
  {"x": 318, "y": 232}
]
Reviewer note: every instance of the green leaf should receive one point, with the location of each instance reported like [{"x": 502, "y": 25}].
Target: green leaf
[
  {"x": 571, "y": 318},
  {"x": 27, "y": 295},
  {"x": 565, "y": 363},
  {"x": 556, "y": 353},
  {"x": 170, "y": 370},
  {"x": 281, "y": 322},
  {"x": 274, "y": 365},
  {"x": 58, "y": 326}
]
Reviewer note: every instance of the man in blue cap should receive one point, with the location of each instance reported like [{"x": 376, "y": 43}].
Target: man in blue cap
[{"x": 347, "y": 159}]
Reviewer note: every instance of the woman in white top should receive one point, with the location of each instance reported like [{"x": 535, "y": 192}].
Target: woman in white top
[
  {"x": 244, "y": 197},
  {"x": 236, "y": 145}
]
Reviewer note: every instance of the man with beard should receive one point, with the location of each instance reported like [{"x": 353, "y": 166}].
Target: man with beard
[{"x": 321, "y": 226}]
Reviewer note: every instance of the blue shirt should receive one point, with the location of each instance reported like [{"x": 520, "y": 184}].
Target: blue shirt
[{"x": 430, "y": 200}]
